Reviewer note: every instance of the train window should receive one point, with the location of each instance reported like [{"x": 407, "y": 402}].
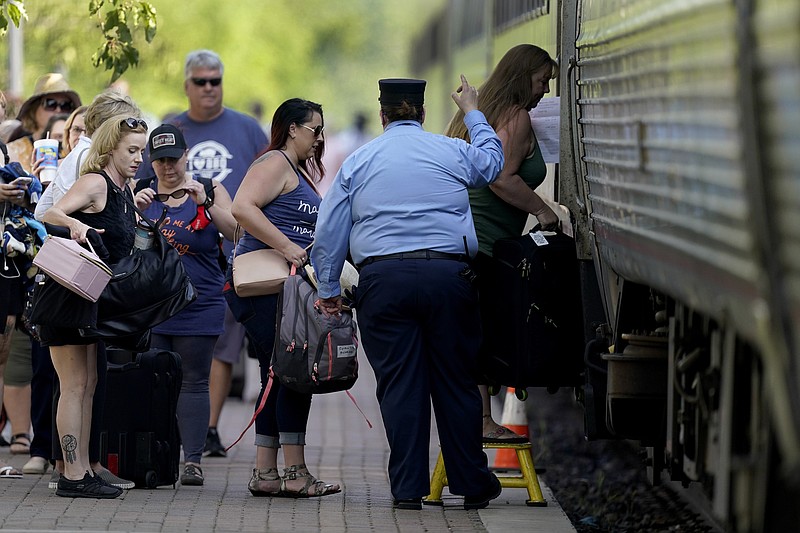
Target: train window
[
  {"x": 428, "y": 46},
  {"x": 468, "y": 22},
  {"x": 509, "y": 13}
]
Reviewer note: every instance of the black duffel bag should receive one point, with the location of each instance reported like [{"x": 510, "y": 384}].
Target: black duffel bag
[{"x": 147, "y": 287}]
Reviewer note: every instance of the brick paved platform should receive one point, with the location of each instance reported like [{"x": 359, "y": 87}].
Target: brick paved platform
[{"x": 342, "y": 449}]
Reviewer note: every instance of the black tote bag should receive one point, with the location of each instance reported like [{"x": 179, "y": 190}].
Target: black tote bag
[{"x": 147, "y": 288}]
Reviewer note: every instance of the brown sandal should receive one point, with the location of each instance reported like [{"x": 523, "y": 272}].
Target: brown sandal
[
  {"x": 20, "y": 444},
  {"x": 313, "y": 488},
  {"x": 264, "y": 474}
]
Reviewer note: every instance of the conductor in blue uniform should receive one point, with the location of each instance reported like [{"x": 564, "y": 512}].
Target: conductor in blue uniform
[{"x": 400, "y": 205}]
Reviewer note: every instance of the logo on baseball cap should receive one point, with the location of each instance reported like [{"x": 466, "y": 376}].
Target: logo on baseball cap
[{"x": 166, "y": 141}]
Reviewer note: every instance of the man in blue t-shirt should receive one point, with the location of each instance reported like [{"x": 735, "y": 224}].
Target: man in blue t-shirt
[{"x": 222, "y": 145}]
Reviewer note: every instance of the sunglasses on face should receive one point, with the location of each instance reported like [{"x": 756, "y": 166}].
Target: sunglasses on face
[
  {"x": 133, "y": 123},
  {"x": 317, "y": 131},
  {"x": 201, "y": 82},
  {"x": 51, "y": 104}
]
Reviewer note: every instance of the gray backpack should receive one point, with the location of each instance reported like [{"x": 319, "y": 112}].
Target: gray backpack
[{"x": 313, "y": 353}]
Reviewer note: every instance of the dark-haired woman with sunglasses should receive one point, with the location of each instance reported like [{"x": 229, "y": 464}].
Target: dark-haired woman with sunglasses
[
  {"x": 277, "y": 206},
  {"x": 197, "y": 211},
  {"x": 95, "y": 202}
]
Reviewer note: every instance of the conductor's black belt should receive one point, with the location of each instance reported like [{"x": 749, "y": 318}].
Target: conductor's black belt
[{"x": 416, "y": 254}]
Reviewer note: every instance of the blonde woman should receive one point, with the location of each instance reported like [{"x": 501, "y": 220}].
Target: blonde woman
[{"x": 94, "y": 202}]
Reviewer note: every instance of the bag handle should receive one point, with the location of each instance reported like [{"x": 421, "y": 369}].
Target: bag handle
[{"x": 96, "y": 260}]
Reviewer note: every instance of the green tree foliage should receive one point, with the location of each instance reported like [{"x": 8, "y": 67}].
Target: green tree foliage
[
  {"x": 10, "y": 9},
  {"x": 329, "y": 52},
  {"x": 117, "y": 20}
]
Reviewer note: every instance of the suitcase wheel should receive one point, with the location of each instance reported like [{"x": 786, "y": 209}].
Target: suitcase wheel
[{"x": 151, "y": 479}]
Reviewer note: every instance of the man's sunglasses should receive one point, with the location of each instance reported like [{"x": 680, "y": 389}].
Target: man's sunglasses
[
  {"x": 133, "y": 123},
  {"x": 317, "y": 130},
  {"x": 51, "y": 104},
  {"x": 201, "y": 82}
]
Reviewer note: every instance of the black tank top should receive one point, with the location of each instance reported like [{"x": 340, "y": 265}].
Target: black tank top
[{"x": 117, "y": 219}]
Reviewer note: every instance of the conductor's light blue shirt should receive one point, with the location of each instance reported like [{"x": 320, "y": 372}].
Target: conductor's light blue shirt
[{"x": 405, "y": 190}]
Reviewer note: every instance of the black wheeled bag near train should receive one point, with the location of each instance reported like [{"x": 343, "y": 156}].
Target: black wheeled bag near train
[
  {"x": 140, "y": 439},
  {"x": 534, "y": 337}
]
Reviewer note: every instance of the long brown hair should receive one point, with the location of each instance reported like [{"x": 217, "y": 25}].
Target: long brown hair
[{"x": 508, "y": 88}]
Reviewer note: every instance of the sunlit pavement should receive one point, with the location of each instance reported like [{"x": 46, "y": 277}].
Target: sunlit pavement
[{"x": 341, "y": 449}]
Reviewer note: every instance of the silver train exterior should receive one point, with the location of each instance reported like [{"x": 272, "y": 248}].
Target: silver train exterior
[{"x": 680, "y": 168}]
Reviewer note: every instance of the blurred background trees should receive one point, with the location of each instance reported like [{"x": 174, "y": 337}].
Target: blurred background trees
[{"x": 329, "y": 52}]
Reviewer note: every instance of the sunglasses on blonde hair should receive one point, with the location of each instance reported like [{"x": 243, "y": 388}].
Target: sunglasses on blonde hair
[{"x": 133, "y": 123}]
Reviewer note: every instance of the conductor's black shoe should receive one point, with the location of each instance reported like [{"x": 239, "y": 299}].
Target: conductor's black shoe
[
  {"x": 214, "y": 447},
  {"x": 88, "y": 487},
  {"x": 411, "y": 504},
  {"x": 481, "y": 501}
]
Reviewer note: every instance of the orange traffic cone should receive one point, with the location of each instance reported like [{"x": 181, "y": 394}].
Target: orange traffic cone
[{"x": 515, "y": 419}]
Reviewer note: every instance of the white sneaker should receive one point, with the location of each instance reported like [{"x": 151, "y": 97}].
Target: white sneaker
[{"x": 36, "y": 465}]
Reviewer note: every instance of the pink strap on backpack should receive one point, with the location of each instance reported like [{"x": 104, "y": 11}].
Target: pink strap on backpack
[{"x": 264, "y": 401}]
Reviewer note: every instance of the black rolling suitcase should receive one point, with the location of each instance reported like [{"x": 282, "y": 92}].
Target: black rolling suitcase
[
  {"x": 534, "y": 333},
  {"x": 139, "y": 436}
]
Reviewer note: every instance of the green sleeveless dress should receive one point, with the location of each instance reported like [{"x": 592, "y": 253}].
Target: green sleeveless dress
[{"x": 495, "y": 219}]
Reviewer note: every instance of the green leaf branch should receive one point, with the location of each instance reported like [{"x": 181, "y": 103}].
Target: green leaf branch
[
  {"x": 118, "y": 23},
  {"x": 117, "y": 20}
]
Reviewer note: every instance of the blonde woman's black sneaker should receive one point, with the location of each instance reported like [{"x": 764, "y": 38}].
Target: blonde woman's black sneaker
[
  {"x": 88, "y": 487},
  {"x": 107, "y": 477}
]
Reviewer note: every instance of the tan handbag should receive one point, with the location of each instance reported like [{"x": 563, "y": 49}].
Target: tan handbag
[{"x": 259, "y": 272}]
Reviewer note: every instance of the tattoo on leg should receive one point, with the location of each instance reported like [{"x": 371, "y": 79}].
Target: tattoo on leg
[{"x": 69, "y": 443}]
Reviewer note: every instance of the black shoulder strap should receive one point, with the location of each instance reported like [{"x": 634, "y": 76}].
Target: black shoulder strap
[
  {"x": 301, "y": 175},
  {"x": 208, "y": 185},
  {"x": 143, "y": 184},
  {"x": 132, "y": 203},
  {"x": 290, "y": 162}
]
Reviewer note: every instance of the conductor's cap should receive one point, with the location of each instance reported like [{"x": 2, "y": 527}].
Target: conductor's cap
[{"x": 396, "y": 90}]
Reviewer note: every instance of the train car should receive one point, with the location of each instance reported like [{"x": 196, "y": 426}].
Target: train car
[{"x": 680, "y": 169}]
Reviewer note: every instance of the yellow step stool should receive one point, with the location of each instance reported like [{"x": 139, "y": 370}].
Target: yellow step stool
[{"x": 528, "y": 480}]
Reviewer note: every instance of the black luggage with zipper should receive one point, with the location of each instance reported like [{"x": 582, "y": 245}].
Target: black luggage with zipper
[
  {"x": 534, "y": 330},
  {"x": 140, "y": 440}
]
